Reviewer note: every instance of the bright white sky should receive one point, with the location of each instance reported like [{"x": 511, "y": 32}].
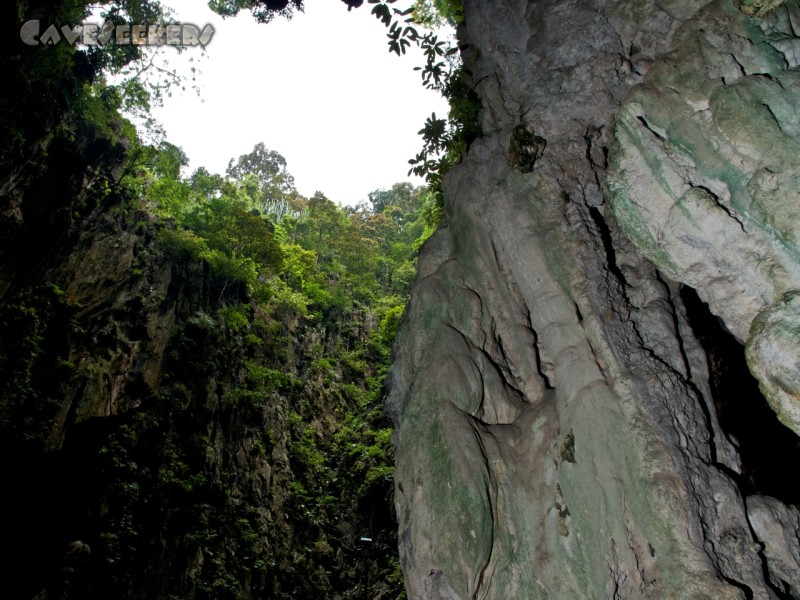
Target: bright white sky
[{"x": 322, "y": 90}]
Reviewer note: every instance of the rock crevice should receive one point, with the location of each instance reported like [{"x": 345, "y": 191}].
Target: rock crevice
[{"x": 599, "y": 468}]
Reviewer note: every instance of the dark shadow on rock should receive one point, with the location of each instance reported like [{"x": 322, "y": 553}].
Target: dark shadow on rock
[{"x": 770, "y": 451}]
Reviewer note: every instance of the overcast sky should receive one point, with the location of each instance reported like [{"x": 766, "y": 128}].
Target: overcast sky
[{"x": 321, "y": 89}]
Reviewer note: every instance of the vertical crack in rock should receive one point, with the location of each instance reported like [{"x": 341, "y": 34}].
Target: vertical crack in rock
[
  {"x": 608, "y": 245},
  {"x": 777, "y": 528},
  {"x": 711, "y": 133},
  {"x": 556, "y": 435},
  {"x": 538, "y": 356},
  {"x": 513, "y": 289},
  {"x": 765, "y": 445},
  {"x": 485, "y": 572}
]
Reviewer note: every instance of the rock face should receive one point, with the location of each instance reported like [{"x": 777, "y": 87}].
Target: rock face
[
  {"x": 557, "y": 436},
  {"x": 704, "y": 180},
  {"x": 157, "y": 451}
]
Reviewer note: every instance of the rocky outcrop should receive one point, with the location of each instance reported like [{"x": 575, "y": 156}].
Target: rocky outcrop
[
  {"x": 166, "y": 438},
  {"x": 557, "y": 435},
  {"x": 704, "y": 180}
]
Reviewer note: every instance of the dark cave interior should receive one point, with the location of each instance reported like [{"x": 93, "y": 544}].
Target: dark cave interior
[{"x": 769, "y": 451}]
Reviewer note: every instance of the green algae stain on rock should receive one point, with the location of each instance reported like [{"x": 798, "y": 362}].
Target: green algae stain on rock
[{"x": 703, "y": 173}]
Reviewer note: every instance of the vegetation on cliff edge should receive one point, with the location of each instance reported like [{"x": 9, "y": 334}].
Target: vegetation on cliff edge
[{"x": 193, "y": 365}]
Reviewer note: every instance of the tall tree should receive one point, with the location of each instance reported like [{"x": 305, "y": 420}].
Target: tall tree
[{"x": 266, "y": 171}]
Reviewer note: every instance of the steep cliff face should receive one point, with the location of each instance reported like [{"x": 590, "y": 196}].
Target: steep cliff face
[
  {"x": 712, "y": 139},
  {"x": 164, "y": 438},
  {"x": 165, "y": 431},
  {"x": 558, "y": 428}
]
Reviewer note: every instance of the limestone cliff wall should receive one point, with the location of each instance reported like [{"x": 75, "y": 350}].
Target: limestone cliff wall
[
  {"x": 557, "y": 431},
  {"x": 153, "y": 449},
  {"x": 705, "y": 180}
]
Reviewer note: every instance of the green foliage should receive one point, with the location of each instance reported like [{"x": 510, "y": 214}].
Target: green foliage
[
  {"x": 292, "y": 311},
  {"x": 169, "y": 195},
  {"x": 390, "y": 324},
  {"x": 308, "y": 337},
  {"x": 182, "y": 243},
  {"x": 234, "y": 318},
  {"x": 33, "y": 355},
  {"x": 262, "y": 10},
  {"x": 102, "y": 104},
  {"x": 205, "y": 185},
  {"x": 445, "y": 141},
  {"x": 451, "y": 10},
  {"x": 118, "y": 532},
  {"x": 343, "y": 276},
  {"x": 235, "y": 231},
  {"x": 263, "y": 173},
  {"x": 202, "y": 320},
  {"x": 431, "y": 213},
  {"x": 142, "y": 75},
  {"x": 168, "y": 160},
  {"x": 266, "y": 378},
  {"x": 288, "y": 301},
  {"x": 237, "y": 242},
  {"x": 49, "y": 90}
]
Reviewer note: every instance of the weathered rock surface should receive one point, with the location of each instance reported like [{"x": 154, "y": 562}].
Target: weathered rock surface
[
  {"x": 154, "y": 451},
  {"x": 778, "y": 529},
  {"x": 704, "y": 179},
  {"x": 556, "y": 434}
]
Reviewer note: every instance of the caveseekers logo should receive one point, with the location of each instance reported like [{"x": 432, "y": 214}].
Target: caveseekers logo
[{"x": 92, "y": 34}]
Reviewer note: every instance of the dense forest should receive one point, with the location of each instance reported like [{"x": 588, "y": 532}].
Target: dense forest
[
  {"x": 564, "y": 367},
  {"x": 192, "y": 365}
]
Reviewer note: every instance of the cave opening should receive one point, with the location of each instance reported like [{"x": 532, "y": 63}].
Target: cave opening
[{"x": 769, "y": 451}]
